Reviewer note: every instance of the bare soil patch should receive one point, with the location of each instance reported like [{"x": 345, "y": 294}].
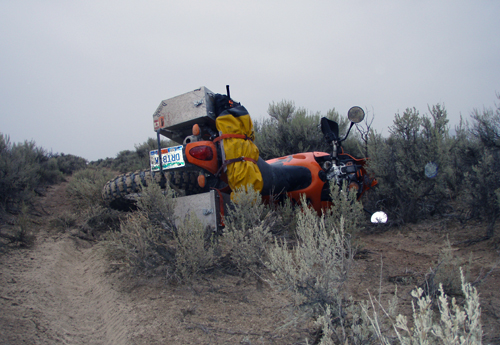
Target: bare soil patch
[{"x": 63, "y": 290}]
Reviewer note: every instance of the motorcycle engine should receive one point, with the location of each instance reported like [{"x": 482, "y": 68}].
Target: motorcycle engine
[{"x": 343, "y": 171}]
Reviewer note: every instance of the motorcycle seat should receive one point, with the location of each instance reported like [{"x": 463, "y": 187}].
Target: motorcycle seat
[{"x": 279, "y": 178}]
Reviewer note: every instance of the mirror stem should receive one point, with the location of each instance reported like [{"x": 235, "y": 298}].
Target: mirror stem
[{"x": 352, "y": 124}]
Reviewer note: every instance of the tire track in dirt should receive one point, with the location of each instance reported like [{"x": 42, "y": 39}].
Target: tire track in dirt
[
  {"x": 58, "y": 291},
  {"x": 63, "y": 291}
]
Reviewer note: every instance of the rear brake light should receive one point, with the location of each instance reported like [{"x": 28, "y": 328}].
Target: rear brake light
[{"x": 203, "y": 153}]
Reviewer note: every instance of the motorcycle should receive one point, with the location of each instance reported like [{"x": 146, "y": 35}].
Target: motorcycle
[
  {"x": 306, "y": 173},
  {"x": 199, "y": 164}
]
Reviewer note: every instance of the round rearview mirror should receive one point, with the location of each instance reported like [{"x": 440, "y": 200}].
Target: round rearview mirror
[
  {"x": 379, "y": 217},
  {"x": 356, "y": 114}
]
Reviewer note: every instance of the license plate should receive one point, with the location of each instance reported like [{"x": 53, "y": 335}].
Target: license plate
[{"x": 171, "y": 158}]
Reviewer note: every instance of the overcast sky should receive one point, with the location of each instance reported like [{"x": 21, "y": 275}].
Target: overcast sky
[{"x": 85, "y": 77}]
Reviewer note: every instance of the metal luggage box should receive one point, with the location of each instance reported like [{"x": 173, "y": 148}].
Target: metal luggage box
[
  {"x": 205, "y": 206},
  {"x": 176, "y": 116}
]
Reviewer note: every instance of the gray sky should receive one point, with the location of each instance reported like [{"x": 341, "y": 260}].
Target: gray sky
[{"x": 84, "y": 77}]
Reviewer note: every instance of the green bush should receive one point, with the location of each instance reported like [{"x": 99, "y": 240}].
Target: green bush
[
  {"x": 370, "y": 323},
  {"x": 149, "y": 238},
  {"x": 21, "y": 233},
  {"x": 126, "y": 161},
  {"x": 247, "y": 209},
  {"x": 316, "y": 270},
  {"x": 85, "y": 188},
  {"x": 129, "y": 160},
  {"x": 158, "y": 205},
  {"x": 140, "y": 244},
  {"x": 102, "y": 163},
  {"x": 68, "y": 164},
  {"x": 456, "y": 324},
  {"x": 284, "y": 219},
  {"x": 99, "y": 220},
  {"x": 346, "y": 208},
  {"x": 399, "y": 164},
  {"x": 291, "y": 130},
  {"x": 24, "y": 167},
  {"x": 480, "y": 166},
  {"x": 65, "y": 221},
  {"x": 246, "y": 234},
  {"x": 145, "y": 239},
  {"x": 195, "y": 252}
]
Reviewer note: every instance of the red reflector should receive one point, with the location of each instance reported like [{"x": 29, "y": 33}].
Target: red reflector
[{"x": 203, "y": 153}]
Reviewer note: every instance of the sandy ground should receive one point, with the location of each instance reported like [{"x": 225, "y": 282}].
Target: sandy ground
[{"x": 63, "y": 290}]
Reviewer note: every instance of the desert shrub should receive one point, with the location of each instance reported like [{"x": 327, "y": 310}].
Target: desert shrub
[
  {"x": 127, "y": 160},
  {"x": 151, "y": 238},
  {"x": 316, "y": 270},
  {"x": 98, "y": 220},
  {"x": 369, "y": 322},
  {"x": 158, "y": 205},
  {"x": 416, "y": 143},
  {"x": 346, "y": 208},
  {"x": 68, "y": 164},
  {"x": 195, "y": 251},
  {"x": 142, "y": 150},
  {"x": 456, "y": 324},
  {"x": 317, "y": 267},
  {"x": 480, "y": 164},
  {"x": 284, "y": 220},
  {"x": 246, "y": 233},
  {"x": 291, "y": 130},
  {"x": 355, "y": 324},
  {"x": 24, "y": 235},
  {"x": 446, "y": 274},
  {"x": 140, "y": 244},
  {"x": 146, "y": 238},
  {"x": 130, "y": 160},
  {"x": 102, "y": 163},
  {"x": 24, "y": 168},
  {"x": 85, "y": 188},
  {"x": 49, "y": 172},
  {"x": 65, "y": 221},
  {"x": 21, "y": 234},
  {"x": 247, "y": 209}
]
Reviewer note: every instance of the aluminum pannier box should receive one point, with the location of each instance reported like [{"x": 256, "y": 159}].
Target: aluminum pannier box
[
  {"x": 209, "y": 208},
  {"x": 176, "y": 116}
]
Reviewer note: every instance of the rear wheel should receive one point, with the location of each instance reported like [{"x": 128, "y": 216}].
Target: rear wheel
[{"x": 121, "y": 191}]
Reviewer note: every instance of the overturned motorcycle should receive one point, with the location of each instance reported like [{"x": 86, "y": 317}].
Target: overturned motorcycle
[{"x": 216, "y": 155}]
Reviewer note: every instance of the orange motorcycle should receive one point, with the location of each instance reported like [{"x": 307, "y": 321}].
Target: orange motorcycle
[
  {"x": 202, "y": 162},
  {"x": 306, "y": 173}
]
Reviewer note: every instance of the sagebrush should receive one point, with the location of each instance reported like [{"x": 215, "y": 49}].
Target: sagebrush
[
  {"x": 85, "y": 188},
  {"x": 24, "y": 169},
  {"x": 195, "y": 251},
  {"x": 481, "y": 162},
  {"x": 317, "y": 268},
  {"x": 247, "y": 231},
  {"x": 399, "y": 163},
  {"x": 369, "y": 322},
  {"x": 152, "y": 238},
  {"x": 292, "y": 130}
]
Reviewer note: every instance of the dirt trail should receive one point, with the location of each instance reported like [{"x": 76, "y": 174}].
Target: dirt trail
[
  {"x": 63, "y": 291},
  {"x": 60, "y": 294},
  {"x": 57, "y": 292}
]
